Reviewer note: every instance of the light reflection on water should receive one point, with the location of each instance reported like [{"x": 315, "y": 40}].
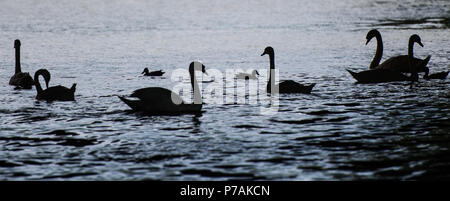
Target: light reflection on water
[{"x": 342, "y": 130}]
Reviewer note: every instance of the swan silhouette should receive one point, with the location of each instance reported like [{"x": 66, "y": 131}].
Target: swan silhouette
[
  {"x": 287, "y": 86},
  {"x": 379, "y": 75},
  {"x": 246, "y": 76},
  {"x": 157, "y": 100},
  {"x": 20, "y": 79},
  {"x": 146, "y": 72},
  {"x": 397, "y": 63},
  {"x": 55, "y": 93}
]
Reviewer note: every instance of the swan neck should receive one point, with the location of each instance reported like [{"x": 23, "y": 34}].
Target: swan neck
[
  {"x": 36, "y": 82},
  {"x": 272, "y": 60},
  {"x": 410, "y": 49},
  {"x": 18, "y": 69},
  {"x": 412, "y": 68},
  {"x": 272, "y": 71},
  {"x": 411, "y": 55},
  {"x": 194, "y": 84},
  {"x": 378, "y": 54}
]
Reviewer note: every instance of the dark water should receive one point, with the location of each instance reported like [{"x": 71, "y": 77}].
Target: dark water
[{"x": 342, "y": 131}]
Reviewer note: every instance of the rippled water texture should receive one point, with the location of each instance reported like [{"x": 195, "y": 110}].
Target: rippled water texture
[{"x": 342, "y": 131}]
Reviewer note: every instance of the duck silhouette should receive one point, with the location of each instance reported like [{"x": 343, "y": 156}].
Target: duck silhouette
[
  {"x": 146, "y": 72},
  {"x": 441, "y": 75},
  {"x": 247, "y": 76}
]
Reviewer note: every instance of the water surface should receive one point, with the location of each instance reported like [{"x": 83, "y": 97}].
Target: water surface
[{"x": 342, "y": 131}]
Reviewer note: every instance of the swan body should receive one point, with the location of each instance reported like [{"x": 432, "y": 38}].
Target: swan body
[
  {"x": 20, "y": 79},
  {"x": 288, "y": 86},
  {"x": 246, "y": 76},
  {"x": 157, "y": 100},
  {"x": 55, "y": 93},
  {"x": 146, "y": 72},
  {"x": 380, "y": 75},
  {"x": 398, "y": 63}
]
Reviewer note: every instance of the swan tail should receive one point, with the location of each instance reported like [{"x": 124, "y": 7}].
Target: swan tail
[
  {"x": 122, "y": 98},
  {"x": 132, "y": 104},
  {"x": 73, "y": 88},
  {"x": 427, "y": 59},
  {"x": 310, "y": 87},
  {"x": 420, "y": 64},
  {"x": 354, "y": 75}
]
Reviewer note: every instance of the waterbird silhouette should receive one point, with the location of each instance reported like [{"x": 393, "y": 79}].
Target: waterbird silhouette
[
  {"x": 247, "y": 76},
  {"x": 397, "y": 63},
  {"x": 287, "y": 86},
  {"x": 146, "y": 72},
  {"x": 161, "y": 101},
  {"x": 55, "y": 93},
  {"x": 20, "y": 79},
  {"x": 380, "y": 75},
  {"x": 440, "y": 75}
]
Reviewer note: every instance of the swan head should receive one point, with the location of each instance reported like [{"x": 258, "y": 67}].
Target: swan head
[
  {"x": 415, "y": 39},
  {"x": 195, "y": 65},
  {"x": 45, "y": 74},
  {"x": 372, "y": 34},
  {"x": 145, "y": 71},
  {"x": 17, "y": 43},
  {"x": 268, "y": 50},
  {"x": 255, "y": 72}
]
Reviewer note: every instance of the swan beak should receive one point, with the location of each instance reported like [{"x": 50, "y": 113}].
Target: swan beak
[
  {"x": 367, "y": 42},
  {"x": 257, "y": 72},
  {"x": 204, "y": 69},
  {"x": 420, "y": 43},
  {"x": 264, "y": 53}
]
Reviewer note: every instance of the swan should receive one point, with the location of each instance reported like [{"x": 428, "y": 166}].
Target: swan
[
  {"x": 157, "y": 100},
  {"x": 287, "y": 86},
  {"x": 20, "y": 79},
  {"x": 379, "y": 75},
  {"x": 146, "y": 72},
  {"x": 248, "y": 76},
  {"x": 56, "y": 93},
  {"x": 397, "y": 63}
]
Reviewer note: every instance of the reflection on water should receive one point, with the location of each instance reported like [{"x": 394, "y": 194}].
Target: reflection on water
[
  {"x": 424, "y": 23},
  {"x": 342, "y": 131}
]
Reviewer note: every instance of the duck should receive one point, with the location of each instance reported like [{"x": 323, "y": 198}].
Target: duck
[
  {"x": 55, "y": 93},
  {"x": 146, "y": 72},
  {"x": 20, "y": 79},
  {"x": 247, "y": 76},
  {"x": 440, "y": 75},
  {"x": 161, "y": 101},
  {"x": 397, "y": 63},
  {"x": 380, "y": 75},
  {"x": 286, "y": 86}
]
